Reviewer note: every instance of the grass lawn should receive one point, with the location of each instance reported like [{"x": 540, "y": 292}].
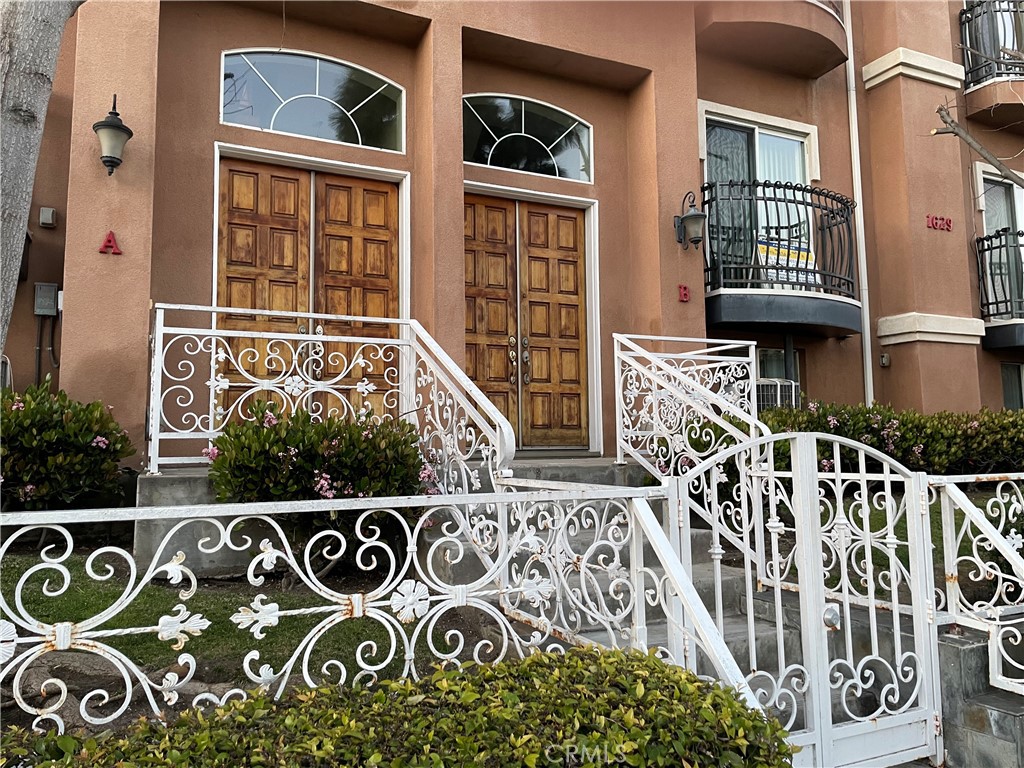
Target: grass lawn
[{"x": 220, "y": 648}]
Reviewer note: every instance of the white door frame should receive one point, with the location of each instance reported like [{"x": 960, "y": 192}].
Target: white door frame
[
  {"x": 309, "y": 163},
  {"x": 589, "y": 206}
]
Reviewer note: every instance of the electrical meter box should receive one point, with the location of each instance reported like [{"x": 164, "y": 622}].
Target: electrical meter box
[{"x": 46, "y": 299}]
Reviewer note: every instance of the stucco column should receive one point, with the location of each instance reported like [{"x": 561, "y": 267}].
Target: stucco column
[
  {"x": 924, "y": 315},
  {"x": 438, "y": 260},
  {"x": 105, "y": 349}
]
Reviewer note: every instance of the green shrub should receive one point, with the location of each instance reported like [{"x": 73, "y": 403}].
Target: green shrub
[
  {"x": 273, "y": 458},
  {"x": 586, "y": 708},
  {"x": 58, "y": 453},
  {"x": 942, "y": 443}
]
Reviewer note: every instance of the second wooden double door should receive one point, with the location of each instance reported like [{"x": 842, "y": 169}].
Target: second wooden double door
[{"x": 526, "y": 338}]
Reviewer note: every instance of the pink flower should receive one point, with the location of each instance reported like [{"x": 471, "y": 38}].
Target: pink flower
[
  {"x": 827, "y": 465},
  {"x": 269, "y": 419},
  {"x": 812, "y": 406},
  {"x": 833, "y": 422},
  {"x": 973, "y": 425},
  {"x": 100, "y": 441},
  {"x": 918, "y": 450},
  {"x": 212, "y": 452},
  {"x": 27, "y": 492},
  {"x": 323, "y": 485},
  {"x": 17, "y": 405}
]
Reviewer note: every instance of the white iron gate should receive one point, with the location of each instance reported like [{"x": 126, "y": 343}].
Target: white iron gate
[{"x": 820, "y": 551}]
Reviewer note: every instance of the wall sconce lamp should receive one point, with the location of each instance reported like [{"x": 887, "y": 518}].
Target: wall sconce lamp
[
  {"x": 113, "y": 135},
  {"x": 690, "y": 226}
]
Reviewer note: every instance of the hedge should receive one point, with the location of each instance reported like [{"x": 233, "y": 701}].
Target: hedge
[
  {"x": 583, "y": 708},
  {"x": 944, "y": 443}
]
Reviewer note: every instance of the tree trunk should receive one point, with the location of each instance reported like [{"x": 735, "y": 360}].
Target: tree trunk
[{"x": 30, "y": 34}]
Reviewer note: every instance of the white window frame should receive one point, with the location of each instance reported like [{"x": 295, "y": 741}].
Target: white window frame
[
  {"x": 321, "y": 57},
  {"x": 982, "y": 172},
  {"x": 760, "y": 122},
  {"x": 796, "y": 362},
  {"x": 1020, "y": 375}
]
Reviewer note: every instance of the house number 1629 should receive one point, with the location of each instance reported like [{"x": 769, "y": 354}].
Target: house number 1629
[{"x": 940, "y": 222}]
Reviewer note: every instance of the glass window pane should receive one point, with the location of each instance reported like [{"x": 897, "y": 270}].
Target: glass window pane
[
  {"x": 312, "y": 116},
  {"x": 509, "y": 132},
  {"x": 1013, "y": 394},
  {"x": 730, "y": 156},
  {"x": 287, "y": 74},
  {"x": 312, "y": 97},
  {"x": 998, "y": 207},
  {"x": 780, "y": 159}
]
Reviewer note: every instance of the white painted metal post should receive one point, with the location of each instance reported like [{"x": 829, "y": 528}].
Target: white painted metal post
[
  {"x": 677, "y": 527},
  {"x": 620, "y": 369},
  {"x": 637, "y": 576},
  {"x": 949, "y": 551},
  {"x": 155, "y": 390},
  {"x": 807, "y": 514},
  {"x": 922, "y": 579}
]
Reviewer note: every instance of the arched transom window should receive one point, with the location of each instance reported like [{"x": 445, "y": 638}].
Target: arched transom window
[
  {"x": 524, "y": 135},
  {"x": 312, "y": 96}
]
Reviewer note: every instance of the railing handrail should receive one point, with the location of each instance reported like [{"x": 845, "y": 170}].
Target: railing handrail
[
  {"x": 504, "y": 435},
  {"x": 703, "y": 624},
  {"x": 1000, "y": 295},
  {"x": 992, "y": 63},
  {"x": 778, "y": 235},
  {"x": 688, "y": 383},
  {"x": 219, "y": 310},
  {"x": 694, "y": 386},
  {"x": 479, "y": 415}
]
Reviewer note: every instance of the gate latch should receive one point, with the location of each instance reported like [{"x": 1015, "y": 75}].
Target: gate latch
[{"x": 832, "y": 617}]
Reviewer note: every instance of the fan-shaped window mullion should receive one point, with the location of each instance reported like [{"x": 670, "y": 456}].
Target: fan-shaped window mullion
[{"x": 490, "y": 137}]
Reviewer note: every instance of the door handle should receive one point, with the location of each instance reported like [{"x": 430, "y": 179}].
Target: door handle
[
  {"x": 512, "y": 359},
  {"x": 526, "y": 360},
  {"x": 831, "y": 617}
]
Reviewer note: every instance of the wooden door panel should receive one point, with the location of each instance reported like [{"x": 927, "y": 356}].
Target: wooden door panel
[
  {"x": 552, "y": 262},
  {"x": 491, "y": 300},
  {"x": 263, "y": 256},
  {"x": 357, "y": 274}
]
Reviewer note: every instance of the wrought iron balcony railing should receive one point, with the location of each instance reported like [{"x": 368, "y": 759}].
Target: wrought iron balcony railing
[
  {"x": 772, "y": 234},
  {"x": 986, "y": 29},
  {"x": 1001, "y": 276}
]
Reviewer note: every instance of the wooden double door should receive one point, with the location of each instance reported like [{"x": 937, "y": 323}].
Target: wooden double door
[
  {"x": 295, "y": 240},
  {"x": 526, "y": 336}
]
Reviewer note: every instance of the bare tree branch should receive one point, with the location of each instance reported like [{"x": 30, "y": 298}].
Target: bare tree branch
[{"x": 952, "y": 126}]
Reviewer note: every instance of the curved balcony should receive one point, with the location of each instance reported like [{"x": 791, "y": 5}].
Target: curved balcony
[
  {"x": 1001, "y": 288},
  {"x": 806, "y": 39},
  {"x": 780, "y": 256},
  {"x": 991, "y": 76}
]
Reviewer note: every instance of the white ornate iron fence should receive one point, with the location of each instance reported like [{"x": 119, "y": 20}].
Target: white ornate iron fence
[
  {"x": 396, "y": 585},
  {"x": 984, "y": 570},
  {"x": 209, "y": 364},
  {"x": 681, "y": 400},
  {"x": 818, "y": 553}
]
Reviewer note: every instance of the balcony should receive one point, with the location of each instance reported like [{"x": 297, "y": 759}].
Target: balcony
[
  {"x": 779, "y": 256},
  {"x": 1001, "y": 284},
  {"x": 805, "y": 39},
  {"x": 992, "y": 76}
]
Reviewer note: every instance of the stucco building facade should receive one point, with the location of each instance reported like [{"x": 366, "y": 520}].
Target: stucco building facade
[{"x": 508, "y": 175}]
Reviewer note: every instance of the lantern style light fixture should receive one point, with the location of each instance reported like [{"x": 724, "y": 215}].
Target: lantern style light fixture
[
  {"x": 690, "y": 226},
  {"x": 113, "y": 135}
]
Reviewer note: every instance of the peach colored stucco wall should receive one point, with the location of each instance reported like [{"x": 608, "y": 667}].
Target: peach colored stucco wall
[
  {"x": 192, "y": 37},
  {"x": 909, "y": 175},
  {"x": 638, "y": 87},
  {"x": 105, "y": 347},
  {"x": 46, "y": 259}
]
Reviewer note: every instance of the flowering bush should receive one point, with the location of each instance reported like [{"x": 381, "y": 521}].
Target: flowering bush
[
  {"x": 274, "y": 458},
  {"x": 943, "y": 443},
  {"x": 58, "y": 453}
]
